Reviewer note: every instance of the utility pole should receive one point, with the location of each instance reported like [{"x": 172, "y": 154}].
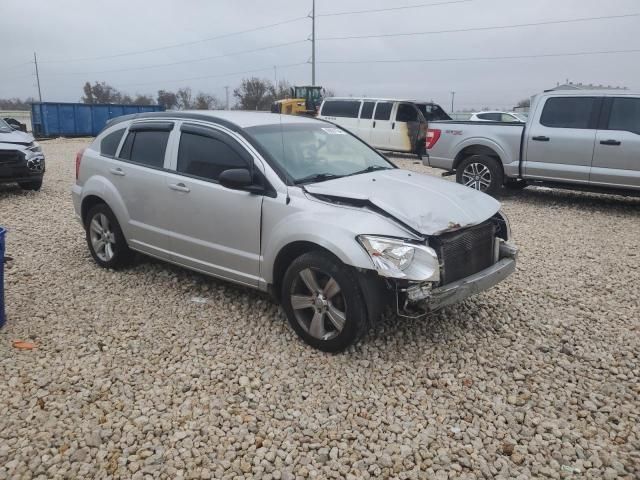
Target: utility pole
[
  {"x": 226, "y": 89},
  {"x": 275, "y": 77},
  {"x": 453, "y": 95},
  {"x": 35, "y": 60},
  {"x": 313, "y": 43}
]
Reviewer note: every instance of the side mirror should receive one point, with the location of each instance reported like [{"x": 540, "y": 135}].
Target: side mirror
[{"x": 236, "y": 178}]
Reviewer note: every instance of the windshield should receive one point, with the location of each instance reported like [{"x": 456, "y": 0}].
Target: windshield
[
  {"x": 4, "y": 127},
  {"x": 316, "y": 152}
]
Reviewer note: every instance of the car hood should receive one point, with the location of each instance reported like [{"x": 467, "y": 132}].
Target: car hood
[
  {"x": 16, "y": 137},
  {"x": 427, "y": 204}
]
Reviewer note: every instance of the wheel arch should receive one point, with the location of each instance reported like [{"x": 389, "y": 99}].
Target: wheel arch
[{"x": 477, "y": 149}]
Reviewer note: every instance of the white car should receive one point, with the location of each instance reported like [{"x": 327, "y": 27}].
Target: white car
[{"x": 496, "y": 116}]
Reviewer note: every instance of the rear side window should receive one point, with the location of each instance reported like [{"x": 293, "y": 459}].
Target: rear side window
[
  {"x": 367, "y": 110},
  {"x": 568, "y": 112},
  {"x": 341, "y": 108},
  {"x": 494, "y": 117},
  {"x": 109, "y": 144},
  {"x": 625, "y": 115},
  {"x": 146, "y": 147},
  {"x": 407, "y": 113},
  {"x": 206, "y": 157},
  {"x": 383, "y": 111}
]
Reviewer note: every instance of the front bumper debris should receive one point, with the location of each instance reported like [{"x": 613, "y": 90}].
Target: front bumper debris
[{"x": 421, "y": 298}]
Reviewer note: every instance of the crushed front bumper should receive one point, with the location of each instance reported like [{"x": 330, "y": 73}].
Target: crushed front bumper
[{"x": 424, "y": 298}]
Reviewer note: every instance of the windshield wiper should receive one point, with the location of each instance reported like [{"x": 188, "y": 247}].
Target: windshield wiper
[
  {"x": 371, "y": 168},
  {"x": 317, "y": 177}
]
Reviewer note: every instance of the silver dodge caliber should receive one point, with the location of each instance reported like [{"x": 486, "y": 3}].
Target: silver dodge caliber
[{"x": 291, "y": 205}]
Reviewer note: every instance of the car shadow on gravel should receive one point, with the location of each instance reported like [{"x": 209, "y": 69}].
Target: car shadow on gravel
[
  {"x": 11, "y": 190},
  {"x": 571, "y": 198}
]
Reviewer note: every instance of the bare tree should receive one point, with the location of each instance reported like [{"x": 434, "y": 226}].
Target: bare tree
[
  {"x": 168, "y": 99},
  {"x": 143, "y": 99},
  {"x": 524, "y": 103},
  {"x": 184, "y": 98},
  {"x": 254, "y": 94},
  {"x": 100, "y": 92},
  {"x": 16, "y": 103},
  {"x": 283, "y": 90},
  {"x": 204, "y": 101}
]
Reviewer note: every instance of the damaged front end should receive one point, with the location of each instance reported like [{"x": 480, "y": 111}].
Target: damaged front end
[{"x": 446, "y": 268}]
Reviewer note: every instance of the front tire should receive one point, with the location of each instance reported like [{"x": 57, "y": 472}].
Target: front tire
[
  {"x": 105, "y": 240},
  {"x": 480, "y": 172},
  {"x": 323, "y": 302}
]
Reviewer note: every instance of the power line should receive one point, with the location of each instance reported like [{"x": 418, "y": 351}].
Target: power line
[
  {"x": 181, "y": 62},
  {"x": 230, "y": 74},
  {"x": 476, "y": 29},
  {"x": 177, "y": 45},
  {"x": 466, "y": 59},
  {"x": 406, "y": 7}
]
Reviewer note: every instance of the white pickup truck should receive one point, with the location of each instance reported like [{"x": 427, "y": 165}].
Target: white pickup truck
[{"x": 572, "y": 139}]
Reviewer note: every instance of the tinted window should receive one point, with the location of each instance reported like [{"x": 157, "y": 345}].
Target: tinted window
[
  {"x": 367, "y": 110},
  {"x": 383, "y": 111},
  {"x": 146, "y": 147},
  {"x": 206, "y": 157},
  {"x": 567, "y": 112},
  {"x": 341, "y": 108},
  {"x": 509, "y": 118},
  {"x": 625, "y": 115},
  {"x": 407, "y": 113},
  {"x": 109, "y": 144},
  {"x": 494, "y": 117}
]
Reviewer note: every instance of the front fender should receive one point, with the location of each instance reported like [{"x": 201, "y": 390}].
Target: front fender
[{"x": 331, "y": 227}]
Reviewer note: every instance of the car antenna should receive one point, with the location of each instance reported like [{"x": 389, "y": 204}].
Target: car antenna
[{"x": 287, "y": 199}]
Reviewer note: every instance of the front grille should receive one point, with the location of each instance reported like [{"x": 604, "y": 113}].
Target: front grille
[
  {"x": 466, "y": 251},
  {"x": 9, "y": 157}
]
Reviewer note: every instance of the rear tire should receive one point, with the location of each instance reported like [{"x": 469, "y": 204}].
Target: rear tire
[
  {"x": 35, "y": 185},
  {"x": 480, "y": 172},
  {"x": 323, "y": 302},
  {"x": 105, "y": 240}
]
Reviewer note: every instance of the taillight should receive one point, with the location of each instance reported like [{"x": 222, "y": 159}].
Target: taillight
[
  {"x": 78, "y": 160},
  {"x": 433, "y": 135}
]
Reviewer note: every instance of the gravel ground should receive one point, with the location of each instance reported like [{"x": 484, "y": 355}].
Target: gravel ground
[{"x": 156, "y": 372}]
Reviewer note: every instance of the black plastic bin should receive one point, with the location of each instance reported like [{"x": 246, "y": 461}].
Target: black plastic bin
[{"x": 2, "y": 317}]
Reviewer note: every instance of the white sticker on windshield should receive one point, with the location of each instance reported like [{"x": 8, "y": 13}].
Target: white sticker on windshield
[{"x": 334, "y": 131}]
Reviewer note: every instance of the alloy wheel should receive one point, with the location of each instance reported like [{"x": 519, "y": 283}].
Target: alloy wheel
[
  {"x": 102, "y": 238},
  {"x": 318, "y": 304},
  {"x": 477, "y": 176}
]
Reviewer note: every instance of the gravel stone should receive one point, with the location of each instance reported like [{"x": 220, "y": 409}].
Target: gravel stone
[{"x": 131, "y": 378}]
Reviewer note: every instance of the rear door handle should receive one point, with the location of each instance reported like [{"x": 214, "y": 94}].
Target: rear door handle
[
  {"x": 393, "y": 125},
  {"x": 540, "y": 138},
  {"x": 610, "y": 142},
  {"x": 117, "y": 171},
  {"x": 179, "y": 187},
  {"x": 374, "y": 124}
]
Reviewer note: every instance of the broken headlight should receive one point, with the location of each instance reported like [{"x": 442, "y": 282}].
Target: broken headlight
[{"x": 396, "y": 258}]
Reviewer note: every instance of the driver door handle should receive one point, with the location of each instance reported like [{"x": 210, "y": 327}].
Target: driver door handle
[
  {"x": 610, "y": 142},
  {"x": 179, "y": 187},
  {"x": 540, "y": 138},
  {"x": 117, "y": 171}
]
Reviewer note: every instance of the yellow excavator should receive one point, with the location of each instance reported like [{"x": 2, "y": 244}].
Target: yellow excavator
[{"x": 306, "y": 100}]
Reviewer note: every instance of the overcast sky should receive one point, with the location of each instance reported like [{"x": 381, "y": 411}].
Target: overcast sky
[{"x": 63, "y": 31}]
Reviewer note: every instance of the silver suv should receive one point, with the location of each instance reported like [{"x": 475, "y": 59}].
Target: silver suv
[{"x": 291, "y": 205}]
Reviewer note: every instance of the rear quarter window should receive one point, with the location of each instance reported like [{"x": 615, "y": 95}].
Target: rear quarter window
[
  {"x": 109, "y": 144},
  {"x": 341, "y": 108}
]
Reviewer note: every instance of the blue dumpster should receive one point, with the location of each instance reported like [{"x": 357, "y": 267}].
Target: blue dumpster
[
  {"x": 59, "y": 119},
  {"x": 2, "y": 319}
]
